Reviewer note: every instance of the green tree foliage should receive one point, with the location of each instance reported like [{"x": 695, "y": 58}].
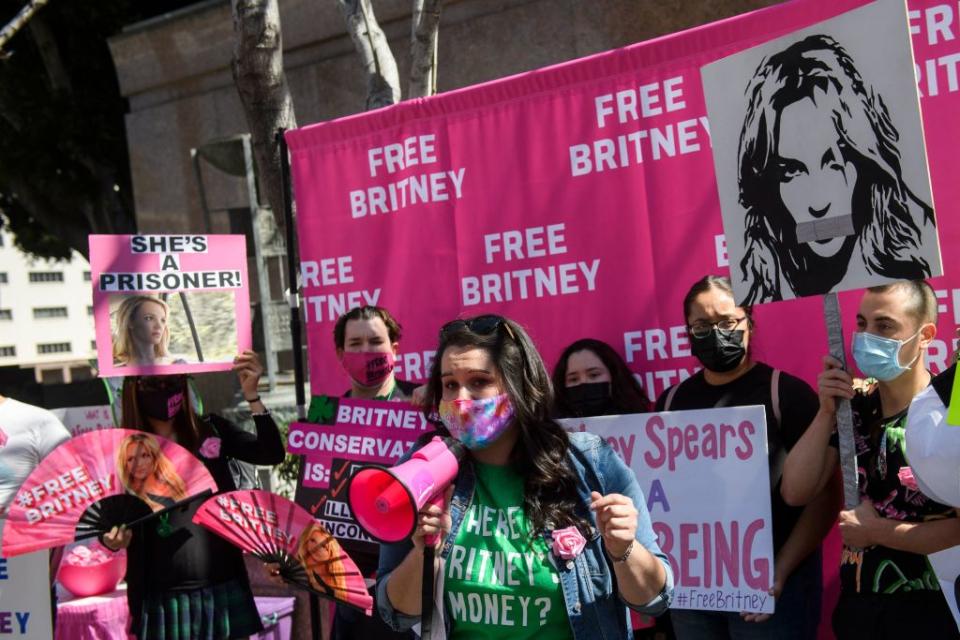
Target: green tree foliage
[{"x": 64, "y": 170}]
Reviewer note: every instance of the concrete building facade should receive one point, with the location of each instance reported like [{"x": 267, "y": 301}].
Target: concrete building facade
[
  {"x": 46, "y": 315},
  {"x": 175, "y": 71}
]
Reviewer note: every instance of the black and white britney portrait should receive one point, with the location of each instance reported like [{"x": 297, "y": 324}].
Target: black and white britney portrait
[{"x": 829, "y": 190}]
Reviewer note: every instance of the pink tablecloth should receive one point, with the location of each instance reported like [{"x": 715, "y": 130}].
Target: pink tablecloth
[{"x": 94, "y": 618}]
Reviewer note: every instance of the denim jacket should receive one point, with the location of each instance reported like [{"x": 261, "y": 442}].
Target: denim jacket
[{"x": 594, "y": 607}]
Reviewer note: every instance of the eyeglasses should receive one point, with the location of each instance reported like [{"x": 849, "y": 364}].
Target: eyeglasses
[
  {"x": 702, "y": 329},
  {"x": 481, "y": 325}
]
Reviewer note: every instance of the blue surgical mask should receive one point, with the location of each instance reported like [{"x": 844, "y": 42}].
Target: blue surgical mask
[{"x": 879, "y": 357}]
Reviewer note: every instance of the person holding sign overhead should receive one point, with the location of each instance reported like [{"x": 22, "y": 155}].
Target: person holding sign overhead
[
  {"x": 184, "y": 581},
  {"x": 887, "y": 587},
  {"x": 720, "y": 336},
  {"x": 547, "y": 534}
]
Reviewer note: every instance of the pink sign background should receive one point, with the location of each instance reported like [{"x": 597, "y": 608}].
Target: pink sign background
[
  {"x": 508, "y": 228},
  {"x": 113, "y": 254},
  {"x": 416, "y": 207},
  {"x": 78, "y": 473}
]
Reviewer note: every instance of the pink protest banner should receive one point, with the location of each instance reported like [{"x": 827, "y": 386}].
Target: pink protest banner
[
  {"x": 707, "y": 484},
  {"x": 321, "y": 443},
  {"x": 578, "y": 199},
  {"x": 358, "y": 433},
  {"x": 169, "y": 304}
]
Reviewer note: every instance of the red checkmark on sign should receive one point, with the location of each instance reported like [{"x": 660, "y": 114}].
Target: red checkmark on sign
[
  {"x": 334, "y": 492},
  {"x": 338, "y": 474},
  {"x": 316, "y": 507}
]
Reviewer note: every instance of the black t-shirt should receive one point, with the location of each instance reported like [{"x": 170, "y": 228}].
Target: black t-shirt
[
  {"x": 798, "y": 406},
  {"x": 880, "y": 446}
]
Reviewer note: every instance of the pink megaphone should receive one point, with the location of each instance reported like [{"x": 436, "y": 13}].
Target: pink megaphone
[{"x": 385, "y": 501}]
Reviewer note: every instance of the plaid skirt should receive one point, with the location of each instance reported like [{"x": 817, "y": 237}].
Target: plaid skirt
[{"x": 219, "y": 612}]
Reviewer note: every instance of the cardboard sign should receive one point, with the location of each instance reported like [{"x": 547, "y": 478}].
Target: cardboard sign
[
  {"x": 705, "y": 477},
  {"x": 558, "y": 195},
  {"x": 168, "y": 304},
  {"x": 820, "y": 159},
  {"x": 357, "y": 433},
  {"x": 25, "y": 596},
  {"x": 79, "y": 420}
]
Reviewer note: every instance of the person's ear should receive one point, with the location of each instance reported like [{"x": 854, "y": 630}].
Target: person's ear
[
  {"x": 339, "y": 353},
  {"x": 927, "y": 333},
  {"x": 395, "y": 346}
]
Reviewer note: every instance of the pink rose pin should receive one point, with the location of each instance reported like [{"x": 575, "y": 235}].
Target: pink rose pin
[
  {"x": 568, "y": 543},
  {"x": 210, "y": 448},
  {"x": 906, "y": 478}
]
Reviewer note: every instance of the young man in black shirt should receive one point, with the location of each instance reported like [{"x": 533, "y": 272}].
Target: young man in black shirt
[{"x": 887, "y": 587}]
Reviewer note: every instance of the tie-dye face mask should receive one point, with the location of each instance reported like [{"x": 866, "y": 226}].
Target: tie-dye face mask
[{"x": 477, "y": 423}]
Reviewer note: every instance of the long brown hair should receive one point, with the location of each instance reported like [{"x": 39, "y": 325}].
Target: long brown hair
[
  {"x": 550, "y": 497},
  {"x": 187, "y": 425}
]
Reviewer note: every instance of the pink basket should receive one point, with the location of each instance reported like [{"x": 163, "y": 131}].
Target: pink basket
[{"x": 93, "y": 580}]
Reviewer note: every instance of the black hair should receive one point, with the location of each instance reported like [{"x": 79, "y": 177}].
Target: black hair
[{"x": 626, "y": 392}]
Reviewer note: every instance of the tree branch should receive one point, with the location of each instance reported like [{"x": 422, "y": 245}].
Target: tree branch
[
  {"x": 424, "y": 30},
  {"x": 18, "y": 22},
  {"x": 50, "y": 55},
  {"x": 383, "y": 79},
  {"x": 262, "y": 85}
]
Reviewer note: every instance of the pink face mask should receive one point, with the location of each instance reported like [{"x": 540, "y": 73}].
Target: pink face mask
[
  {"x": 368, "y": 368},
  {"x": 477, "y": 423}
]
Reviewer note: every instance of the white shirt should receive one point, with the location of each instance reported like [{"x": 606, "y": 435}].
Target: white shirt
[{"x": 27, "y": 435}]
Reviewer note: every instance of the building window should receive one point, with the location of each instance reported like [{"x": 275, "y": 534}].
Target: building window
[
  {"x": 53, "y": 347},
  {"x": 6, "y": 314},
  {"x": 93, "y": 345},
  {"x": 86, "y": 276},
  {"x": 90, "y": 310},
  {"x": 49, "y": 312},
  {"x": 46, "y": 276},
  {"x": 3, "y": 277},
  {"x": 8, "y": 352}
]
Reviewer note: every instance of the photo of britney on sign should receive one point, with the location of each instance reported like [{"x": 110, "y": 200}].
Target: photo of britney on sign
[
  {"x": 169, "y": 304},
  {"x": 820, "y": 163}
]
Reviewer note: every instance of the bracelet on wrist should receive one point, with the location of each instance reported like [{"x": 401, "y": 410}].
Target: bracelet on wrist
[
  {"x": 251, "y": 401},
  {"x": 626, "y": 554}
]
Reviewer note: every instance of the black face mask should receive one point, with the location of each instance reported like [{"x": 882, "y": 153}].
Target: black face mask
[
  {"x": 590, "y": 399},
  {"x": 161, "y": 400},
  {"x": 719, "y": 351}
]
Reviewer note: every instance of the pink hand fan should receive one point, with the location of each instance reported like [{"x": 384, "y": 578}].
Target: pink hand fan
[
  {"x": 98, "y": 480},
  {"x": 275, "y": 529}
]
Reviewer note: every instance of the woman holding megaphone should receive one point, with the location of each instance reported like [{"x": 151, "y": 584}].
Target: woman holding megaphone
[{"x": 545, "y": 533}]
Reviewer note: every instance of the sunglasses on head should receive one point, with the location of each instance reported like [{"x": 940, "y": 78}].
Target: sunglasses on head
[{"x": 481, "y": 325}]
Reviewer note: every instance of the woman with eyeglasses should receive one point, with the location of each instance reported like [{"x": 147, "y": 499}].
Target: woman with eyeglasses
[
  {"x": 720, "y": 335},
  {"x": 184, "y": 581},
  {"x": 546, "y": 534}
]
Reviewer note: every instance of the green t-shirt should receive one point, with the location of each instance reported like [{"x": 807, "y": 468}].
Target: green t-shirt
[{"x": 497, "y": 583}]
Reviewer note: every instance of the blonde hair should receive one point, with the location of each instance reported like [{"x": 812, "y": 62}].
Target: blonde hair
[
  {"x": 163, "y": 470},
  {"x": 331, "y": 566},
  {"x": 123, "y": 341}
]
